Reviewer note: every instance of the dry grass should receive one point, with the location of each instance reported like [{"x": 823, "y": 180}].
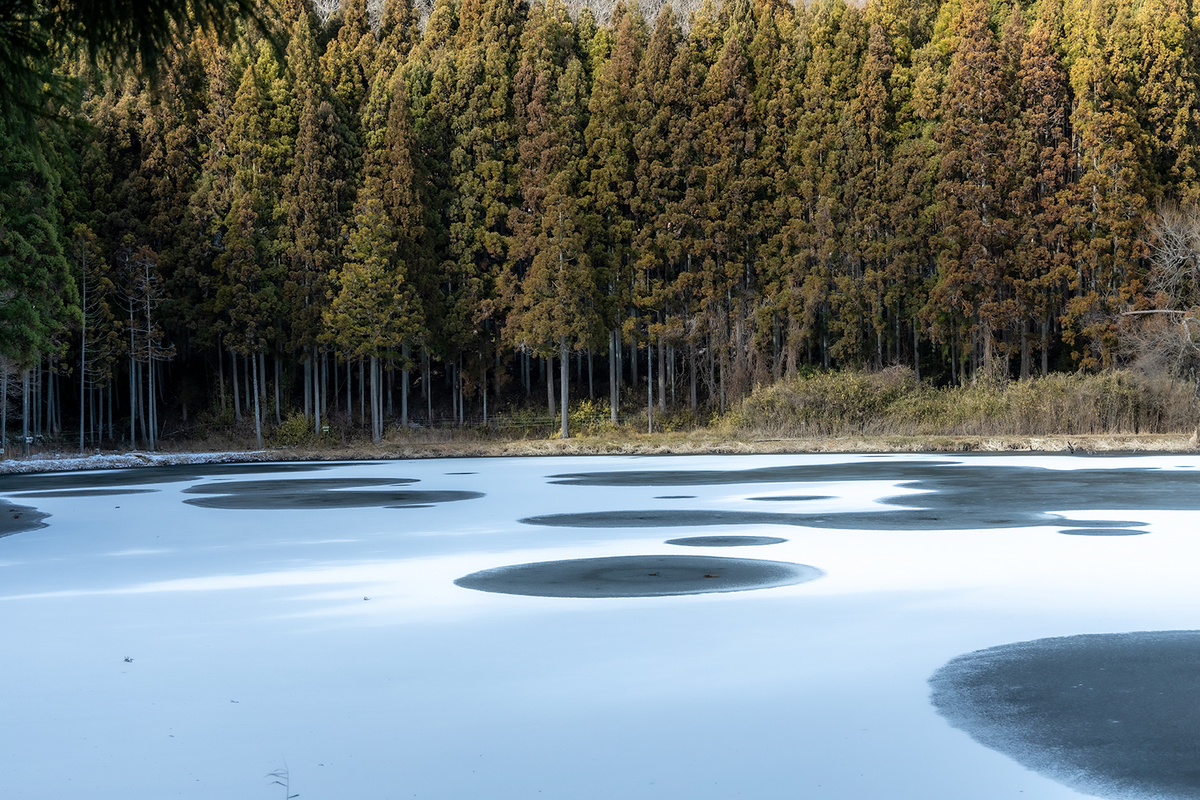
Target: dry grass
[
  {"x": 893, "y": 403},
  {"x": 849, "y": 412}
]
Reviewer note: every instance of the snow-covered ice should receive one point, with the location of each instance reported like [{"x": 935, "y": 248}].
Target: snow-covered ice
[{"x": 156, "y": 648}]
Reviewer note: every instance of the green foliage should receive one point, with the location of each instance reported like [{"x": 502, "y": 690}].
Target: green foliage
[
  {"x": 296, "y": 431},
  {"x": 964, "y": 187},
  {"x": 589, "y": 418}
]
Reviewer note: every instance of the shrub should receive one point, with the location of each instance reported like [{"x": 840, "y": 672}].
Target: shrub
[
  {"x": 894, "y": 402},
  {"x": 296, "y": 430}
]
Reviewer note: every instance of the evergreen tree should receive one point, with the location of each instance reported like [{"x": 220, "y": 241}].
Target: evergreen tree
[
  {"x": 37, "y": 293},
  {"x": 552, "y": 291},
  {"x": 972, "y": 296},
  {"x": 1108, "y": 200},
  {"x": 622, "y": 205},
  {"x": 1041, "y": 256}
]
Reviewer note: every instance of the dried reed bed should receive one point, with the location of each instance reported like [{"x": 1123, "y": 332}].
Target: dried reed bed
[
  {"x": 826, "y": 412},
  {"x": 893, "y": 403}
]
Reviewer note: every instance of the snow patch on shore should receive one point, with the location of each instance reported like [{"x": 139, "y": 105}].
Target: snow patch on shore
[{"x": 56, "y": 462}]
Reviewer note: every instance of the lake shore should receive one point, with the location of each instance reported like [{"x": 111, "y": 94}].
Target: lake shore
[{"x": 456, "y": 444}]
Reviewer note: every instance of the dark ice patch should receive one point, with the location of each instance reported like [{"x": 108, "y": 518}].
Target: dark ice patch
[
  {"x": 723, "y": 477},
  {"x": 1103, "y": 532},
  {"x": 313, "y": 493},
  {"x": 173, "y": 473},
  {"x": 638, "y": 576},
  {"x": 900, "y": 520},
  {"x": 84, "y": 492},
  {"x": 17, "y": 519},
  {"x": 973, "y": 495},
  {"x": 726, "y": 541},
  {"x": 793, "y": 498},
  {"x": 1108, "y": 714},
  {"x": 676, "y": 497}
]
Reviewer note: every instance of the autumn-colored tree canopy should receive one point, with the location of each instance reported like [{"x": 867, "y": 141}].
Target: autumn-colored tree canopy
[{"x": 335, "y": 214}]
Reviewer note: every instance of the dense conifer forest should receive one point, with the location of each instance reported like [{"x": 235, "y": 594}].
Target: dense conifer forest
[{"x": 378, "y": 214}]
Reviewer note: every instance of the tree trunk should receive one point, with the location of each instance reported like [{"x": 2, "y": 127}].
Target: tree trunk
[
  {"x": 262, "y": 377},
  {"x": 221, "y": 374},
  {"x": 237, "y": 400},
  {"x": 404, "y": 388},
  {"x": 308, "y": 383},
  {"x": 35, "y": 394},
  {"x": 25, "y": 437},
  {"x": 151, "y": 405},
  {"x": 549, "y": 363},
  {"x": 257, "y": 408},
  {"x": 564, "y": 362},
  {"x": 662, "y": 377},
  {"x": 614, "y": 397},
  {"x": 692, "y": 376},
  {"x": 389, "y": 388},
  {"x": 323, "y": 386},
  {"x": 1045, "y": 347},
  {"x": 251, "y": 384},
  {"x": 278, "y": 400},
  {"x": 633, "y": 362},
  {"x": 376, "y": 422},
  {"x": 142, "y": 405},
  {"x": 483, "y": 386},
  {"x": 649, "y": 385},
  {"x": 916, "y": 349},
  {"x": 316, "y": 388},
  {"x": 428, "y": 390}
]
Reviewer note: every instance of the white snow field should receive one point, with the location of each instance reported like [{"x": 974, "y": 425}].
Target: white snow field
[{"x": 156, "y": 648}]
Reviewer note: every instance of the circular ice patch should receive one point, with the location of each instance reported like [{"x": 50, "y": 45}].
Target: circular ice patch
[
  {"x": 1102, "y": 532},
  {"x": 792, "y": 498},
  {"x": 314, "y": 493},
  {"x": 1112, "y": 715},
  {"x": 726, "y": 541},
  {"x": 638, "y": 576}
]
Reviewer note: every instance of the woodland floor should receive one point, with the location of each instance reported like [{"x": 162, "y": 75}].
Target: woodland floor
[{"x": 453, "y": 444}]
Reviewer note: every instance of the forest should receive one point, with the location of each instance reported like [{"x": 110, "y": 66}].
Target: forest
[{"x": 374, "y": 214}]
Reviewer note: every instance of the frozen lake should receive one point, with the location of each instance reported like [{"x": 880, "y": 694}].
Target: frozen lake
[{"x": 605, "y": 627}]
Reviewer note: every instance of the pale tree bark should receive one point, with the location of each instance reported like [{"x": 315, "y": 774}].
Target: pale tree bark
[
  {"x": 564, "y": 370},
  {"x": 376, "y": 420},
  {"x": 257, "y": 411}
]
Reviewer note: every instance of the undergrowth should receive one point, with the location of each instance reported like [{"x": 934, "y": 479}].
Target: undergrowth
[{"x": 894, "y": 402}]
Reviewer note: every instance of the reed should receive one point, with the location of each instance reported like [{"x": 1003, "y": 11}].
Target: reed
[{"x": 892, "y": 402}]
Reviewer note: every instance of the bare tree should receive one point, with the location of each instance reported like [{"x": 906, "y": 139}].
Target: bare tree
[
  {"x": 1166, "y": 337},
  {"x": 325, "y": 9}
]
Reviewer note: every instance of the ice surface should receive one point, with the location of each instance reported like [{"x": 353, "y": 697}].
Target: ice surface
[{"x": 153, "y": 648}]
